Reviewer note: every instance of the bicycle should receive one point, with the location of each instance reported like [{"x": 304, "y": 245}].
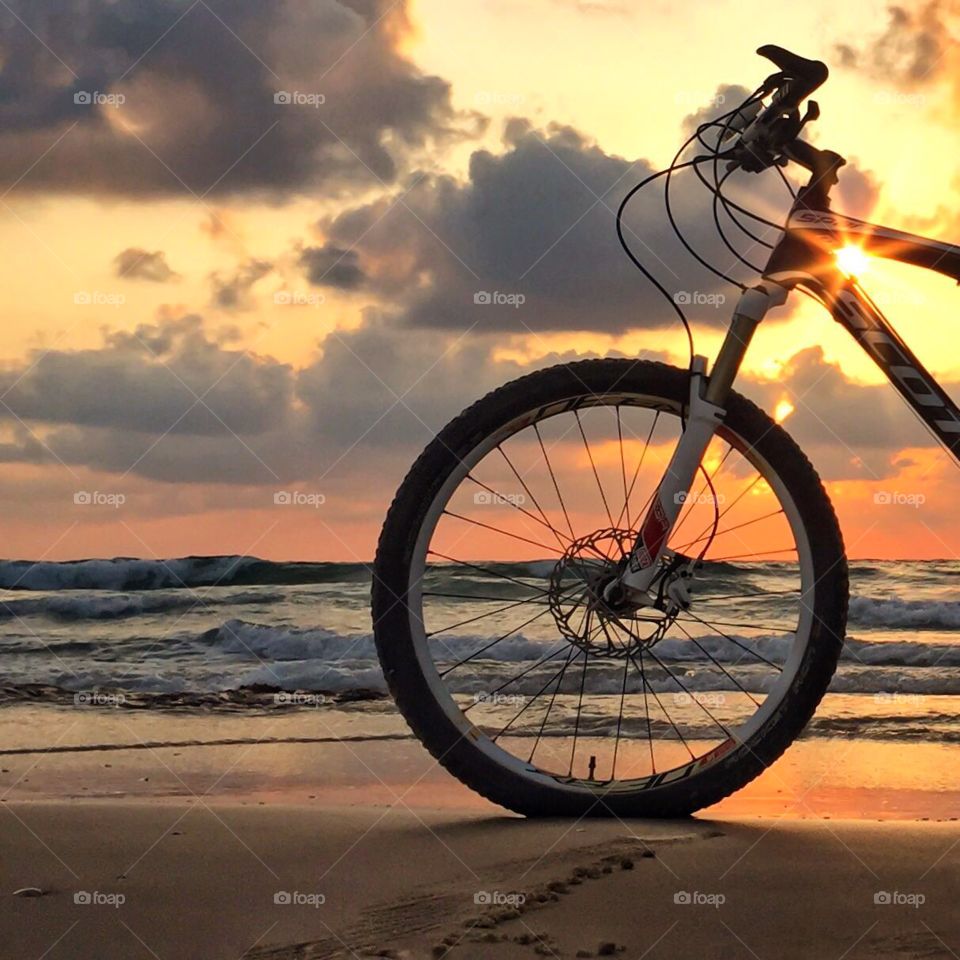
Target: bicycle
[{"x": 702, "y": 668}]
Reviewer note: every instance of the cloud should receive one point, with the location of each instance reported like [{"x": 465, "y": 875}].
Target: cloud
[
  {"x": 912, "y": 49},
  {"x": 235, "y": 292},
  {"x": 137, "y": 264},
  {"x": 848, "y": 429},
  {"x": 157, "y": 97},
  {"x": 528, "y": 241},
  {"x": 169, "y": 401},
  {"x": 332, "y": 266},
  {"x": 170, "y": 377}
]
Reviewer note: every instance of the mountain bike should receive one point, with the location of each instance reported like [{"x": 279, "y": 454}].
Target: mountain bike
[{"x": 618, "y": 587}]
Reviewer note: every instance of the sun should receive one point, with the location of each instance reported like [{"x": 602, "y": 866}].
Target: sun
[
  {"x": 852, "y": 260},
  {"x": 783, "y": 410}
]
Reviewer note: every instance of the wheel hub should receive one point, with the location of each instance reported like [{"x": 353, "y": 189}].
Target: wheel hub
[{"x": 589, "y": 607}]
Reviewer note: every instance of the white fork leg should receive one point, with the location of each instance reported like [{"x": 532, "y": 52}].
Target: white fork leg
[
  {"x": 704, "y": 416},
  {"x": 702, "y": 421}
]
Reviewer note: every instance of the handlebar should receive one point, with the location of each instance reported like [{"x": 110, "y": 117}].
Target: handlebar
[
  {"x": 770, "y": 135},
  {"x": 798, "y": 76}
]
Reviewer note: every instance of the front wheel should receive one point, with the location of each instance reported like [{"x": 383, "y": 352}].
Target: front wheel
[{"x": 495, "y": 637}]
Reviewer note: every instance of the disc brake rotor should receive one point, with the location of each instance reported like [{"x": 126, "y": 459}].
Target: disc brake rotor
[{"x": 580, "y": 609}]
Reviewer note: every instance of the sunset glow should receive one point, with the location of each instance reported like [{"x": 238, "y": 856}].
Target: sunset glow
[{"x": 320, "y": 316}]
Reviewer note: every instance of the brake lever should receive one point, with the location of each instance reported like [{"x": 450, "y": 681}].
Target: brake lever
[{"x": 811, "y": 113}]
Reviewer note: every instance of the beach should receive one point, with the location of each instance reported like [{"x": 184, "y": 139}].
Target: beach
[
  {"x": 276, "y": 847},
  {"x": 199, "y": 758}
]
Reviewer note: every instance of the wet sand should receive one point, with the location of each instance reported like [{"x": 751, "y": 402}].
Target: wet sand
[{"x": 282, "y": 846}]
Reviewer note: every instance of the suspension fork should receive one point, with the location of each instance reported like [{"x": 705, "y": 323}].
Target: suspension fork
[{"x": 705, "y": 413}]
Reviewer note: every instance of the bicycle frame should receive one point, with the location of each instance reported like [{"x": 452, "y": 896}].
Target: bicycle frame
[{"x": 805, "y": 256}]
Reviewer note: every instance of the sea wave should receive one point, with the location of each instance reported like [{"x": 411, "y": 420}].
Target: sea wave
[
  {"x": 292, "y": 643},
  {"x": 127, "y": 573},
  {"x": 70, "y": 607},
  {"x": 905, "y": 614}
]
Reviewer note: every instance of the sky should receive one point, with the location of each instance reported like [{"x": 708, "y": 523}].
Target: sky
[{"x": 241, "y": 242}]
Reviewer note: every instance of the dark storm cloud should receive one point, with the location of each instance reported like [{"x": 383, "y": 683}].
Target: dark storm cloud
[
  {"x": 136, "y": 264},
  {"x": 332, "y": 266},
  {"x": 174, "y": 97}
]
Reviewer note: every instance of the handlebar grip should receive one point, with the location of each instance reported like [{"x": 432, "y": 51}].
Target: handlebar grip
[{"x": 808, "y": 74}]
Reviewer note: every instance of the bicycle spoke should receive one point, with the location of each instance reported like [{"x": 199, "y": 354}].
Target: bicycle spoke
[
  {"x": 720, "y": 533},
  {"x": 500, "y": 498},
  {"x": 748, "y": 556},
  {"x": 737, "y": 643},
  {"x": 493, "y": 643},
  {"x": 623, "y": 694},
  {"x": 732, "y": 623},
  {"x": 527, "y": 491},
  {"x": 593, "y": 467},
  {"x": 623, "y": 465},
  {"x": 531, "y": 701},
  {"x": 670, "y": 720},
  {"x": 553, "y": 477},
  {"x": 636, "y": 473},
  {"x": 546, "y": 715},
  {"x": 523, "y": 673},
  {"x": 710, "y": 656},
  {"x": 576, "y": 725},
  {"x": 706, "y": 484},
  {"x": 473, "y": 596},
  {"x": 753, "y": 595},
  {"x": 487, "y": 570},
  {"x": 729, "y": 506},
  {"x": 505, "y": 533},
  {"x": 673, "y": 677},
  {"x": 479, "y": 616}
]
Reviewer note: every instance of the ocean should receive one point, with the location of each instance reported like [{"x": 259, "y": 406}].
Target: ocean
[{"x": 238, "y": 633}]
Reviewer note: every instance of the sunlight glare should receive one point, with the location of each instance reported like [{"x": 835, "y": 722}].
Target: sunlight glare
[
  {"x": 852, "y": 260},
  {"x": 783, "y": 410}
]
